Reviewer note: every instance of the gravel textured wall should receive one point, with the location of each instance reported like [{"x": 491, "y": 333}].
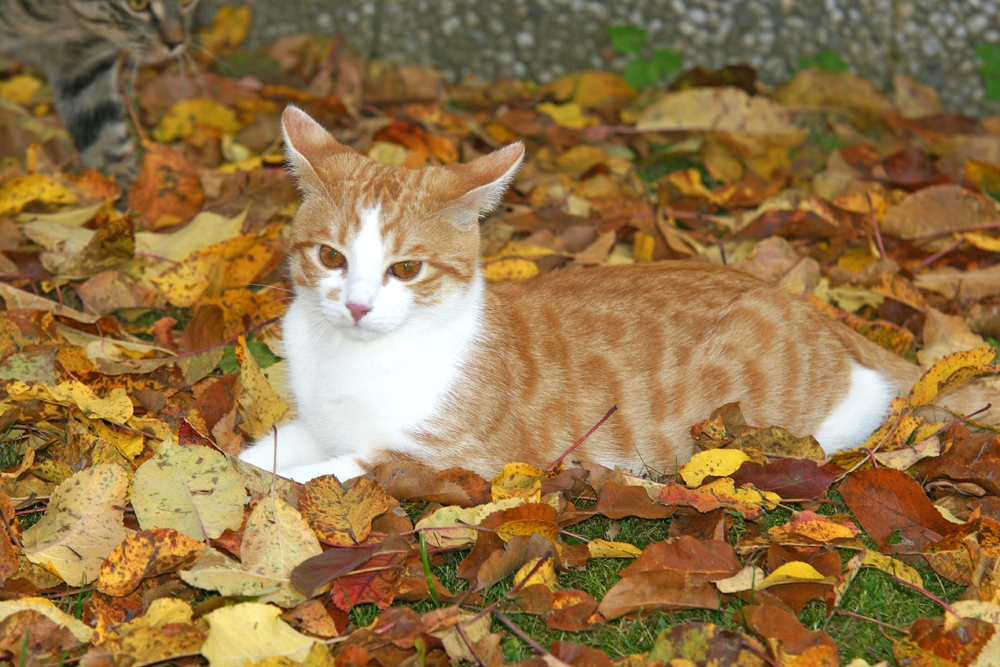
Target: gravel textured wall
[{"x": 932, "y": 40}]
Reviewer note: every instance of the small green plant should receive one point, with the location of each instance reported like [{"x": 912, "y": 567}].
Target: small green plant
[
  {"x": 631, "y": 40},
  {"x": 990, "y": 71},
  {"x": 827, "y": 60}
]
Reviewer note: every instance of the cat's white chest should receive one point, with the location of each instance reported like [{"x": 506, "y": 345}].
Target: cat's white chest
[{"x": 356, "y": 396}]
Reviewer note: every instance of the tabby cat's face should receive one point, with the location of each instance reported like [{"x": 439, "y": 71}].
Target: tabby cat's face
[
  {"x": 375, "y": 247},
  {"x": 149, "y": 30}
]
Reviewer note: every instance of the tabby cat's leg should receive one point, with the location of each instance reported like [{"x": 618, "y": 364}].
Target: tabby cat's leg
[
  {"x": 85, "y": 83},
  {"x": 296, "y": 447}
]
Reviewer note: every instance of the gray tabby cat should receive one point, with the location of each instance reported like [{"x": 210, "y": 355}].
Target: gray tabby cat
[{"x": 77, "y": 44}]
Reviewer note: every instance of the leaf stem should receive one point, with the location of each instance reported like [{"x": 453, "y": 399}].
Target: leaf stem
[{"x": 585, "y": 436}]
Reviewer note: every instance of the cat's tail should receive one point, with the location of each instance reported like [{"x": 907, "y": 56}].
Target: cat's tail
[{"x": 964, "y": 400}]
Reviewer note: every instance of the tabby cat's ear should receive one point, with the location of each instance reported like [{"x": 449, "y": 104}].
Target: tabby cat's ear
[
  {"x": 309, "y": 148},
  {"x": 475, "y": 188}
]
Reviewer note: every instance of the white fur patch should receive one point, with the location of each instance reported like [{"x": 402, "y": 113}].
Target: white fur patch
[{"x": 859, "y": 413}]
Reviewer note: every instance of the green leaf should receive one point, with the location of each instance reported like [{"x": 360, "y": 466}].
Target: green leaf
[
  {"x": 989, "y": 54},
  {"x": 641, "y": 73},
  {"x": 992, "y": 87},
  {"x": 668, "y": 61},
  {"x": 260, "y": 352},
  {"x": 627, "y": 38},
  {"x": 827, "y": 60}
]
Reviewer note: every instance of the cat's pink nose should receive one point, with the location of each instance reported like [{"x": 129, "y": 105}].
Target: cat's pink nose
[{"x": 358, "y": 310}]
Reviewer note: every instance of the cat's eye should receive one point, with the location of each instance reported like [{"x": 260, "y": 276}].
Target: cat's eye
[
  {"x": 331, "y": 257},
  {"x": 138, "y": 5},
  {"x": 406, "y": 270}
]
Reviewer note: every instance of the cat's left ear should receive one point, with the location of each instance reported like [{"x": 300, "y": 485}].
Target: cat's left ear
[
  {"x": 475, "y": 188},
  {"x": 310, "y": 149}
]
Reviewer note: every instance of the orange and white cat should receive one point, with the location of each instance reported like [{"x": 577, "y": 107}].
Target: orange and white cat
[{"x": 398, "y": 348}]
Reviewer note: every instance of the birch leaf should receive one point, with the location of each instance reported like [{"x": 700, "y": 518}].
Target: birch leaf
[
  {"x": 81, "y": 526},
  {"x": 192, "y": 489}
]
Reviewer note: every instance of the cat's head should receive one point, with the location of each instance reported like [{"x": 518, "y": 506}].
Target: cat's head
[
  {"x": 148, "y": 30},
  {"x": 374, "y": 247}
]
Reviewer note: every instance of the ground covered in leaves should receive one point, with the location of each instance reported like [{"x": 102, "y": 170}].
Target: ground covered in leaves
[{"x": 140, "y": 351}]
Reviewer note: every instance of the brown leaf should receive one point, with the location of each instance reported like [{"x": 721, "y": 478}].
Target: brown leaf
[
  {"x": 455, "y": 486},
  {"x": 167, "y": 191},
  {"x": 573, "y": 611},
  {"x": 962, "y": 641},
  {"x": 377, "y": 580},
  {"x": 789, "y": 478},
  {"x": 938, "y": 210},
  {"x": 579, "y": 655},
  {"x": 661, "y": 589},
  {"x": 786, "y": 636},
  {"x": 618, "y": 501},
  {"x": 887, "y": 500}
]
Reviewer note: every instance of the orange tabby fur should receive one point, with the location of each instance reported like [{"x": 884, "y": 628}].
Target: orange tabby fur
[{"x": 667, "y": 342}]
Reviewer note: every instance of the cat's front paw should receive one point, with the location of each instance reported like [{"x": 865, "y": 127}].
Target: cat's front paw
[
  {"x": 342, "y": 467},
  {"x": 295, "y": 447}
]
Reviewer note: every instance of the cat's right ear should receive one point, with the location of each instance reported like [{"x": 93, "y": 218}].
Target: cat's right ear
[{"x": 308, "y": 147}]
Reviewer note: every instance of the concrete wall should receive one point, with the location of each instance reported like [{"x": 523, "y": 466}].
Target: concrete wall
[{"x": 932, "y": 40}]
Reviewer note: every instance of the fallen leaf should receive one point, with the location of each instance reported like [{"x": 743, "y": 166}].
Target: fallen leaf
[
  {"x": 82, "y": 525},
  {"x": 886, "y": 501},
  {"x": 19, "y": 192},
  {"x": 167, "y": 190},
  {"x": 148, "y": 553},
  {"x": 191, "y": 489},
  {"x": 230, "y": 645},
  {"x": 342, "y": 515},
  {"x": 115, "y": 407}
]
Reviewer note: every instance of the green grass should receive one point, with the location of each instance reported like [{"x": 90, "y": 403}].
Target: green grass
[{"x": 873, "y": 594}]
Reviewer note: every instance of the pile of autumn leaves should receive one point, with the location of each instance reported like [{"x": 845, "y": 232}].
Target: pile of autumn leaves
[{"x": 308, "y": 555}]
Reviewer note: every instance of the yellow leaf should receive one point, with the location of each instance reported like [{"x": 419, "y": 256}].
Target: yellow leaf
[
  {"x": 275, "y": 541},
  {"x": 984, "y": 174},
  {"x": 116, "y": 407},
  {"x": 544, "y": 574},
  {"x": 747, "y": 579},
  {"x": 716, "y": 109},
  {"x": 593, "y": 90},
  {"x": 19, "y": 89},
  {"x": 385, "y": 152},
  {"x": 228, "y": 29},
  {"x": 82, "y": 631},
  {"x": 212, "y": 269},
  {"x": 182, "y": 119},
  {"x": 510, "y": 269},
  {"x": 147, "y": 553},
  {"x": 82, "y": 525},
  {"x": 521, "y": 249},
  {"x": 191, "y": 489},
  {"x": 892, "y": 566},
  {"x": 642, "y": 247},
  {"x": 251, "y": 632},
  {"x": 339, "y": 515},
  {"x": 712, "y": 462},
  {"x": 795, "y": 572},
  {"x": 571, "y": 114},
  {"x": 604, "y": 549},
  {"x": 246, "y": 164},
  {"x": 162, "y": 611},
  {"x": 982, "y": 241},
  {"x": 261, "y": 405},
  {"x": 518, "y": 480},
  {"x": 18, "y": 193},
  {"x": 950, "y": 372}
]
